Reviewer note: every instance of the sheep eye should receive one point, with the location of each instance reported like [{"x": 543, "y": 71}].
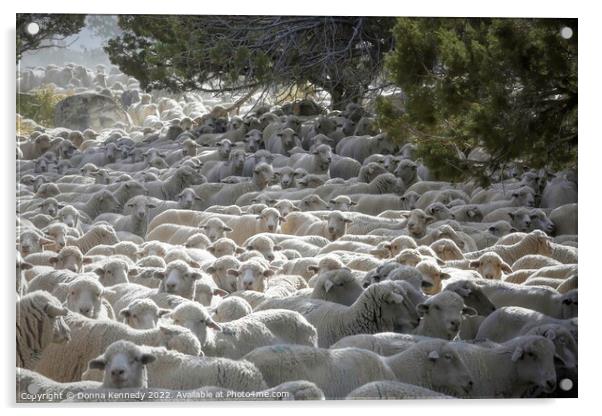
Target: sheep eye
[{"x": 135, "y": 316}]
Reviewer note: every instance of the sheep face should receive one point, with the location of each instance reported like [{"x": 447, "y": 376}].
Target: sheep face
[
  {"x": 106, "y": 202},
  {"x": 237, "y": 159},
  {"x": 123, "y": 364},
  {"x": 417, "y": 221},
  {"x": 501, "y": 228},
  {"x": 142, "y": 314},
  {"x": 251, "y": 276},
  {"x": 398, "y": 311},
  {"x": 262, "y": 175},
  {"x": 286, "y": 175},
  {"x": 447, "y": 249},
  {"x": 253, "y": 141},
  {"x": 84, "y": 297},
  {"x": 534, "y": 358},
  {"x": 438, "y": 211},
  {"x": 336, "y": 225},
  {"x": 564, "y": 343},
  {"x": 472, "y": 295},
  {"x": 406, "y": 171},
  {"x": 179, "y": 279},
  {"x": 442, "y": 315},
  {"x": 401, "y": 243},
  {"x": 138, "y": 208},
  {"x": 540, "y": 221},
  {"x": 58, "y": 234},
  {"x": 313, "y": 203},
  {"x": 223, "y": 247},
  {"x": 285, "y": 207},
  {"x": 341, "y": 203},
  {"x": 408, "y": 200},
  {"x": 69, "y": 216},
  {"x": 69, "y": 258},
  {"x": 448, "y": 372},
  {"x": 490, "y": 266},
  {"x": 269, "y": 220},
  {"x": 32, "y": 242},
  {"x": 382, "y": 250},
  {"x": 323, "y": 156},
  {"x": 231, "y": 309},
  {"x": 569, "y": 304},
  {"x": 49, "y": 207},
  {"x": 521, "y": 220},
  {"x": 523, "y": 197},
  {"x": 432, "y": 276},
  {"x": 114, "y": 272},
  {"x": 214, "y": 229},
  {"x": 195, "y": 318},
  {"x": 409, "y": 257},
  {"x": 263, "y": 245}
]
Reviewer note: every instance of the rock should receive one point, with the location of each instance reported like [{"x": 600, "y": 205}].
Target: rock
[{"x": 89, "y": 111}]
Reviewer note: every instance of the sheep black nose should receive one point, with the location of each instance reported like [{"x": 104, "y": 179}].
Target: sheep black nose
[
  {"x": 84, "y": 310},
  {"x": 118, "y": 372}
]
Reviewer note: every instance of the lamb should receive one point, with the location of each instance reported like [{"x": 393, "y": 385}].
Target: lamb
[
  {"x": 182, "y": 178},
  {"x": 113, "y": 271},
  {"x": 382, "y": 307},
  {"x": 236, "y": 338},
  {"x": 142, "y": 314},
  {"x": 42, "y": 311},
  {"x": 446, "y": 249},
  {"x": 218, "y": 170},
  {"x": 219, "y": 271},
  {"x": 440, "y": 315},
  {"x": 344, "y": 167},
  {"x": 509, "y": 322},
  {"x": 542, "y": 299},
  {"x": 510, "y": 369},
  {"x": 178, "y": 279},
  {"x": 264, "y": 245},
  {"x": 472, "y": 294},
  {"x": 100, "y": 202},
  {"x": 90, "y": 338},
  {"x": 282, "y": 142},
  {"x": 230, "y": 309},
  {"x": 177, "y": 371}
]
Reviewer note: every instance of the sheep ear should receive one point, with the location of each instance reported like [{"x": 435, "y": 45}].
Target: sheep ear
[
  {"x": 52, "y": 260},
  {"x": 239, "y": 250},
  {"x": 433, "y": 356},
  {"x": 268, "y": 273},
  {"x": 444, "y": 276},
  {"x": 277, "y": 248},
  {"x": 108, "y": 292},
  {"x": 210, "y": 269},
  {"x": 213, "y": 325},
  {"x": 147, "y": 358},
  {"x": 468, "y": 311},
  {"x": 219, "y": 292},
  {"x": 517, "y": 354},
  {"x": 550, "y": 334},
  {"x": 422, "y": 309},
  {"x": 474, "y": 264},
  {"x": 99, "y": 271},
  {"x": 233, "y": 272},
  {"x": 328, "y": 285},
  {"x": 159, "y": 274},
  {"x": 45, "y": 241},
  {"x": 98, "y": 363},
  {"x": 347, "y": 221},
  {"x": 312, "y": 269},
  {"x": 194, "y": 264},
  {"x": 162, "y": 312},
  {"x": 125, "y": 312},
  {"x": 506, "y": 268},
  {"x": 211, "y": 249},
  {"x": 25, "y": 266},
  {"x": 151, "y": 205},
  {"x": 227, "y": 229},
  {"x": 430, "y": 219}
]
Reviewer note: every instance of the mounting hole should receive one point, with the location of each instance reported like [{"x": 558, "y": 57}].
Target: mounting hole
[
  {"x": 566, "y": 384},
  {"x": 32, "y": 28},
  {"x": 566, "y": 32}
]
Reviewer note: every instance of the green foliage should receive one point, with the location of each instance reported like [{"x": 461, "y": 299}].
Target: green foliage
[
  {"x": 342, "y": 55},
  {"x": 39, "y": 105},
  {"x": 53, "y": 28},
  {"x": 508, "y": 85}
]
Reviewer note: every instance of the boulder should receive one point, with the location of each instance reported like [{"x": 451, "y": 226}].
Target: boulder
[{"x": 89, "y": 111}]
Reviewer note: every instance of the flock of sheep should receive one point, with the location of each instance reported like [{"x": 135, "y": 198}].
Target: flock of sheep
[{"x": 290, "y": 253}]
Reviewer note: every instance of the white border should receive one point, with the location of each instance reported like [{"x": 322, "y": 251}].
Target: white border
[{"x": 590, "y": 176}]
